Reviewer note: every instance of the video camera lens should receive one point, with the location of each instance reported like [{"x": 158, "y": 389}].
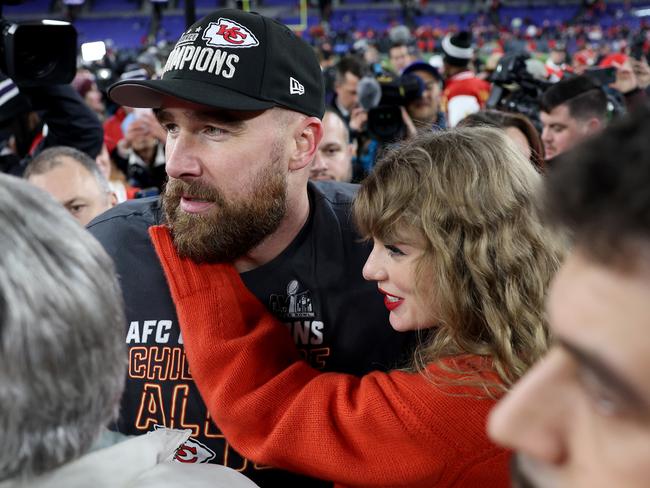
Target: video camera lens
[{"x": 38, "y": 53}]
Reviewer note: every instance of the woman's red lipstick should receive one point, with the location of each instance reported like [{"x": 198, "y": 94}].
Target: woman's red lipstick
[{"x": 391, "y": 301}]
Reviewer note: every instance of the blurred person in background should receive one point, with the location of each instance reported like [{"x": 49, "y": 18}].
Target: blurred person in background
[
  {"x": 63, "y": 362},
  {"x": 85, "y": 85},
  {"x": 464, "y": 92},
  {"x": 333, "y": 160},
  {"x": 115, "y": 175},
  {"x": 517, "y": 127},
  {"x": 581, "y": 417},
  {"x": 582, "y": 60},
  {"x": 556, "y": 63},
  {"x": 142, "y": 150},
  {"x": 349, "y": 70},
  {"x": 400, "y": 55},
  {"x": 571, "y": 110},
  {"x": 74, "y": 180}
]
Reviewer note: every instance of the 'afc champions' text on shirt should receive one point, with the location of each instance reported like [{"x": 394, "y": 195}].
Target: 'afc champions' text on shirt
[{"x": 155, "y": 359}]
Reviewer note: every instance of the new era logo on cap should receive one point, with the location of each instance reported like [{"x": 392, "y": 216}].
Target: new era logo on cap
[
  {"x": 295, "y": 88},
  {"x": 228, "y": 33}
]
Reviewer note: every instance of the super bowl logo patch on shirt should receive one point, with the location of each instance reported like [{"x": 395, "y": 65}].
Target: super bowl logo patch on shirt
[{"x": 228, "y": 33}]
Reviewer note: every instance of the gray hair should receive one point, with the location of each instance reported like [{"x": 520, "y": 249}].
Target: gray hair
[
  {"x": 62, "y": 353},
  {"x": 54, "y": 156}
]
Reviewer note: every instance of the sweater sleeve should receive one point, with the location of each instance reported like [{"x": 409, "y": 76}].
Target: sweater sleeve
[{"x": 383, "y": 429}]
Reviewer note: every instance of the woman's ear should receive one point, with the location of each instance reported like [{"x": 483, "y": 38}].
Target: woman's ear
[{"x": 307, "y": 135}]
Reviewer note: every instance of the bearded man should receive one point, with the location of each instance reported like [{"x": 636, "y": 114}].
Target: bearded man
[{"x": 243, "y": 122}]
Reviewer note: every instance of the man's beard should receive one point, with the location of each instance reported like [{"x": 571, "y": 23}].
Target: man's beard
[{"x": 231, "y": 228}]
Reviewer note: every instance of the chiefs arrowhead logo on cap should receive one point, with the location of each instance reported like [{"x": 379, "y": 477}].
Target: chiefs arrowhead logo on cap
[{"x": 228, "y": 33}]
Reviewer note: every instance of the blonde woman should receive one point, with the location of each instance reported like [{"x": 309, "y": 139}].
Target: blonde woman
[{"x": 460, "y": 255}]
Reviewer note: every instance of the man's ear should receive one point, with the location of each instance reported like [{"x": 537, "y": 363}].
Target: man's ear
[
  {"x": 352, "y": 148},
  {"x": 307, "y": 135},
  {"x": 594, "y": 125}
]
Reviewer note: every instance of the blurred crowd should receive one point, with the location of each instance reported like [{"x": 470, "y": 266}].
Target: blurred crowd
[{"x": 383, "y": 86}]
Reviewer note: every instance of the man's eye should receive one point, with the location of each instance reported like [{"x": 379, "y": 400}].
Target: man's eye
[
  {"x": 75, "y": 209},
  {"x": 213, "y": 131},
  {"x": 604, "y": 401},
  {"x": 171, "y": 128}
]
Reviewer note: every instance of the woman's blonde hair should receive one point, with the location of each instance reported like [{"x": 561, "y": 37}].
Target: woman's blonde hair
[{"x": 471, "y": 196}]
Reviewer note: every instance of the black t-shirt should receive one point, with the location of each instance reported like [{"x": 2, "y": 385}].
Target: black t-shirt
[{"x": 315, "y": 286}]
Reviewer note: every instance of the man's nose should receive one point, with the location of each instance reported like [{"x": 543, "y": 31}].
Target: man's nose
[
  {"x": 533, "y": 417},
  {"x": 181, "y": 159},
  {"x": 320, "y": 163}
]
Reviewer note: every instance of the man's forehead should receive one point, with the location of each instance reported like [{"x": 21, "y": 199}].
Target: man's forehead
[
  {"x": 67, "y": 181},
  {"x": 350, "y": 78},
  {"x": 602, "y": 308},
  {"x": 559, "y": 113},
  {"x": 65, "y": 167},
  {"x": 176, "y": 107},
  {"x": 332, "y": 122}
]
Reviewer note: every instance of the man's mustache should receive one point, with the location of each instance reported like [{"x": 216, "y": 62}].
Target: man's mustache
[{"x": 195, "y": 189}]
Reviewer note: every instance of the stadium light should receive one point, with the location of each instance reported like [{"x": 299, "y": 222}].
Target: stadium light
[{"x": 93, "y": 51}]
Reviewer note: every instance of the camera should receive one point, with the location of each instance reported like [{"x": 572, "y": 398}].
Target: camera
[
  {"x": 602, "y": 76},
  {"x": 382, "y": 98},
  {"x": 38, "y": 53},
  {"x": 518, "y": 86}
]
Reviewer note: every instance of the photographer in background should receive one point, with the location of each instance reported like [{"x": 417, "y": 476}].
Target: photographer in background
[
  {"x": 35, "y": 118},
  {"x": 385, "y": 99},
  {"x": 38, "y": 106},
  {"x": 425, "y": 111},
  {"x": 571, "y": 110}
]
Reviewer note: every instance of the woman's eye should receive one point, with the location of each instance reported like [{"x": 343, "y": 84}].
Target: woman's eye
[{"x": 394, "y": 250}]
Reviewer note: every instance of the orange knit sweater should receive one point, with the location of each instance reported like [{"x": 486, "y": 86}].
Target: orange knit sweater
[{"x": 392, "y": 429}]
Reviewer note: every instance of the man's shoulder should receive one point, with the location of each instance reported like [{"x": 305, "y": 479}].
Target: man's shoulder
[
  {"x": 336, "y": 194},
  {"x": 146, "y": 210},
  {"x": 126, "y": 223}
]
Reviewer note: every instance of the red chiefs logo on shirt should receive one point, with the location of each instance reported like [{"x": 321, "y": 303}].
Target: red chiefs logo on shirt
[{"x": 228, "y": 33}]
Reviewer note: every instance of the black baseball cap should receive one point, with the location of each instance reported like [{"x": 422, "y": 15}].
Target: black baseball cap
[
  {"x": 234, "y": 60},
  {"x": 422, "y": 66}
]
